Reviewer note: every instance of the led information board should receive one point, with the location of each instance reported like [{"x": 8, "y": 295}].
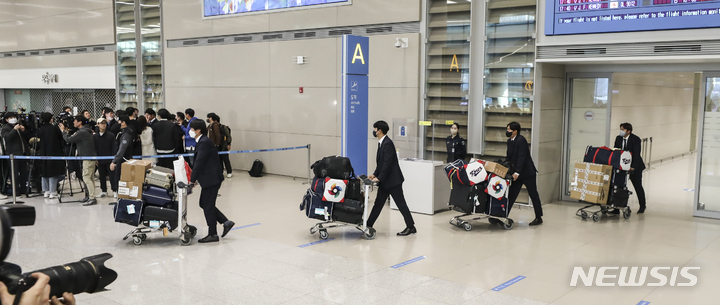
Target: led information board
[
  {"x": 213, "y": 8},
  {"x": 607, "y": 16}
]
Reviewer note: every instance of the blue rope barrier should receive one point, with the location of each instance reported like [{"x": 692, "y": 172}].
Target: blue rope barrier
[{"x": 153, "y": 156}]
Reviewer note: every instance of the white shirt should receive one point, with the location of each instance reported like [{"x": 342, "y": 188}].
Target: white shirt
[
  {"x": 625, "y": 142},
  {"x": 381, "y": 139}
]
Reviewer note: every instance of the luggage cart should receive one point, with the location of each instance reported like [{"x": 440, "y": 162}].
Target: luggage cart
[
  {"x": 186, "y": 234},
  {"x": 368, "y": 233},
  {"x": 605, "y": 208},
  {"x": 461, "y": 221}
]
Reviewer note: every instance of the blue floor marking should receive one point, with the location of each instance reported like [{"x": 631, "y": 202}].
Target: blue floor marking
[
  {"x": 316, "y": 242},
  {"x": 643, "y": 303},
  {"x": 247, "y": 226},
  {"x": 508, "y": 283},
  {"x": 419, "y": 258}
]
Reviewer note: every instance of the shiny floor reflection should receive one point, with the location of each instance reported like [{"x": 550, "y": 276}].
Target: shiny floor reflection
[{"x": 263, "y": 264}]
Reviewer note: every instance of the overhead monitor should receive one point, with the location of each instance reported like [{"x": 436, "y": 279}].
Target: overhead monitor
[
  {"x": 214, "y": 8},
  {"x": 563, "y": 17}
]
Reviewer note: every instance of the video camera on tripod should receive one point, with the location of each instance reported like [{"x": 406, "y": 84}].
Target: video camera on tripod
[{"x": 87, "y": 275}]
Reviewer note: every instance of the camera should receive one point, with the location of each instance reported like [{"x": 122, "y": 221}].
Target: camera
[{"x": 87, "y": 275}]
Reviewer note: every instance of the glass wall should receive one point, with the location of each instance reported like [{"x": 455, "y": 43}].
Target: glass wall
[
  {"x": 447, "y": 78},
  {"x": 509, "y": 71},
  {"x": 709, "y": 183},
  {"x": 139, "y": 23}
]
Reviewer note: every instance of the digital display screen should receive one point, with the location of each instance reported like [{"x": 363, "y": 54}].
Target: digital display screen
[
  {"x": 230, "y": 7},
  {"x": 564, "y": 17}
]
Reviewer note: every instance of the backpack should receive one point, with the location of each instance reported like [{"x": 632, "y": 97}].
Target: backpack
[
  {"x": 257, "y": 168},
  {"x": 226, "y": 132}
]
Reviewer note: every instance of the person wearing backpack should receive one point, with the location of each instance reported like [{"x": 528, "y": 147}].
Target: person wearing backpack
[{"x": 225, "y": 144}]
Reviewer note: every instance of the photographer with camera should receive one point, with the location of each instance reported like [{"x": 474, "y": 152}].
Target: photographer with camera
[
  {"x": 17, "y": 143},
  {"x": 89, "y": 119},
  {"x": 51, "y": 144},
  {"x": 83, "y": 138},
  {"x": 38, "y": 294}
]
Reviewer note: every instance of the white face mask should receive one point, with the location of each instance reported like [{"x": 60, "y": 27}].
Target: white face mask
[
  {"x": 453, "y": 131},
  {"x": 622, "y": 133},
  {"x": 12, "y": 121},
  {"x": 192, "y": 133},
  {"x": 110, "y": 118}
]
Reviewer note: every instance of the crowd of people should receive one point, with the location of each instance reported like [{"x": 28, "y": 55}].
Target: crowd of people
[{"x": 120, "y": 134}]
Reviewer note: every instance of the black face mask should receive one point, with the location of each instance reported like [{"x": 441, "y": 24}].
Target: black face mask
[
  {"x": 374, "y": 134},
  {"x": 208, "y": 121},
  {"x": 508, "y": 134}
]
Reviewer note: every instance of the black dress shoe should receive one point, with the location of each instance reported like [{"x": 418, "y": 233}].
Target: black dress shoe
[
  {"x": 641, "y": 210},
  {"x": 537, "y": 221},
  {"x": 227, "y": 226},
  {"x": 209, "y": 239},
  {"x": 407, "y": 231}
]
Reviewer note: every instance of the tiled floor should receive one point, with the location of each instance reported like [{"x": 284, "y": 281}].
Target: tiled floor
[{"x": 263, "y": 264}]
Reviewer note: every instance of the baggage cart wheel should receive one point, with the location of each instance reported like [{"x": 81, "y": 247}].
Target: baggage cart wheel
[
  {"x": 509, "y": 224},
  {"x": 626, "y": 213},
  {"x": 193, "y": 230},
  {"x": 583, "y": 215},
  {"x": 143, "y": 236},
  {"x": 324, "y": 234},
  {"x": 186, "y": 239},
  {"x": 467, "y": 226},
  {"x": 596, "y": 217},
  {"x": 137, "y": 240},
  {"x": 370, "y": 233}
]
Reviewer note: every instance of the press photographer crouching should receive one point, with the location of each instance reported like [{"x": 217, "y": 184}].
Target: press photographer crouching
[
  {"x": 54, "y": 285},
  {"x": 16, "y": 139}
]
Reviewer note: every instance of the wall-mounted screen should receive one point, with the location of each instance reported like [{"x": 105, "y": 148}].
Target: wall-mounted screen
[
  {"x": 607, "y": 16},
  {"x": 213, "y": 8}
]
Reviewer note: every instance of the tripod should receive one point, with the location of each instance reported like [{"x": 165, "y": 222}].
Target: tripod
[
  {"x": 31, "y": 165},
  {"x": 67, "y": 178}
]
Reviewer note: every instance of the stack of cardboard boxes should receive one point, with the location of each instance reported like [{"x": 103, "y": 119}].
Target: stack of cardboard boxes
[
  {"x": 591, "y": 183},
  {"x": 132, "y": 177}
]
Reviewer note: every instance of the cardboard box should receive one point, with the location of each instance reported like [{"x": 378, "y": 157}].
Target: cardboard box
[
  {"x": 134, "y": 171},
  {"x": 129, "y": 190},
  {"x": 495, "y": 168},
  {"x": 591, "y": 183}
]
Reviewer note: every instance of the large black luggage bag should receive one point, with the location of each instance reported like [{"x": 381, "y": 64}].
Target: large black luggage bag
[
  {"x": 335, "y": 167},
  {"x": 128, "y": 211},
  {"x": 460, "y": 198},
  {"x": 315, "y": 207},
  {"x": 161, "y": 214}
]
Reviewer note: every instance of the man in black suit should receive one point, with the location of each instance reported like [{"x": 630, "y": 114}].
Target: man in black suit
[
  {"x": 168, "y": 138},
  {"x": 628, "y": 141},
  {"x": 151, "y": 117},
  {"x": 390, "y": 179},
  {"x": 518, "y": 153},
  {"x": 208, "y": 172}
]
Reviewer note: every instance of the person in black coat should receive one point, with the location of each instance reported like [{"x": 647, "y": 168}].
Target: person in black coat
[
  {"x": 456, "y": 145},
  {"x": 105, "y": 146},
  {"x": 630, "y": 142},
  {"x": 168, "y": 138},
  {"x": 51, "y": 144},
  {"x": 390, "y": 178},
  {"x": 208, "y": 172},
  {"x": 16, "y": 139},
  {"x": 518, "y": 153}
]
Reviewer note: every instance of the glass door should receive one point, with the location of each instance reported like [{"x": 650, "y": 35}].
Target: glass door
[
  {"x": 587, "y": 119},
  {"x": 707, "y": 188}
]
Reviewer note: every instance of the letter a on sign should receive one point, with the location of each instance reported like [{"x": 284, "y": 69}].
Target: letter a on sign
[
  {"x": 454, "y": 63},
  {"x": 358, "y": 54}
]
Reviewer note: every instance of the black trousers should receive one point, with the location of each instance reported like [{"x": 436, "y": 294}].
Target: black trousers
[
  {"x": 636, "y": 178},
  {"x": 213, "y": 216},
  {"x": 117, "y": 173},
  {"x": 225, "y": 163},
  {"x": 166, "y": 162},
  {"x": 104, "y": 171},
  {"x": 530, "y": 183},
  {"x": 21, "y": 177},
  {"x": 398, "y": 197}
]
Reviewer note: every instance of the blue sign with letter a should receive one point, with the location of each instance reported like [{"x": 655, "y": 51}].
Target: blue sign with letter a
[
  {"x": 355, "y": 129},
  {"x": 356, "y": 55}
]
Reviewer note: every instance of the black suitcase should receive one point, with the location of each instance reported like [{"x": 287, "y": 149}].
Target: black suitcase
[
  {"x": 128, "y": 211},
  {"x": 498, "y": 207},
  {"x": 354, "y": 190},
  {"x": 619, "y": 196},
  {"x": 161, "y": 214},
  {"x": 153, "y": 195},
  {"x": 460, "y": 197},
  {"x": 347, "y": 217},
  {"x": 350, "y": 205},
  {"x": 479, "y": 197}
]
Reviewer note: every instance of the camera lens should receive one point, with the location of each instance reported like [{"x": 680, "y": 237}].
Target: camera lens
[{"x": 88, "y": 275}]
